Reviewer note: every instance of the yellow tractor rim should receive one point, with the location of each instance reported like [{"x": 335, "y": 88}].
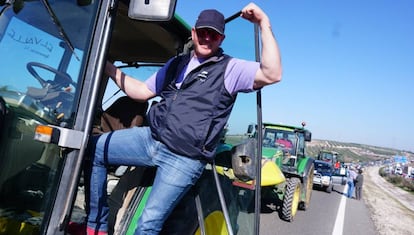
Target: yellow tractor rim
[
  {"x": 215, "y": 224},
  {"x": 296, "y": 198}
]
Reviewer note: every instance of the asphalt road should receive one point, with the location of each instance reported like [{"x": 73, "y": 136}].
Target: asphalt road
[{"x": 328, "y": 213}]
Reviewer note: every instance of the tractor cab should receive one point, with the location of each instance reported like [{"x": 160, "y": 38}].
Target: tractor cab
[{"x": 54, "y": 95}]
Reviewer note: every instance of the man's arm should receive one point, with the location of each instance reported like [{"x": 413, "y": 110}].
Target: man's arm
[
  {"x": 270, "y": 67},
  {"x": 133, "y": 88}
]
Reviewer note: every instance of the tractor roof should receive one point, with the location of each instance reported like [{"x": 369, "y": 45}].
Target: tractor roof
[{"x": 284, "y": 127}]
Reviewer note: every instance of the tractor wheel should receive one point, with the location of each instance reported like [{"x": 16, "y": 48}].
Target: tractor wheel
[
  {"x": 303, "y": 205},
  {"x": 291, "y": 199}
]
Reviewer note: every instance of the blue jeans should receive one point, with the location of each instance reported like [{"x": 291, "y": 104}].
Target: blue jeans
[
  {"x": 135, "y": 147},
  {"x": 351, "y": 188}
]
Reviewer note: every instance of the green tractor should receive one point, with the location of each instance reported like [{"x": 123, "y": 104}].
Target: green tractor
[
  {"x": 334, "y": 158},
  {"x": 287, "y": 173}
]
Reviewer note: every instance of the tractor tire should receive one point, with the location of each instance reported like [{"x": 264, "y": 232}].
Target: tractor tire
[
  {"x": 304, "y": 205},
  {"x": 291, "y": 199}
]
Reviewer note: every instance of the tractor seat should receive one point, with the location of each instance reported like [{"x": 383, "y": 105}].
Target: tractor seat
[{"x": 123, "y": 113}]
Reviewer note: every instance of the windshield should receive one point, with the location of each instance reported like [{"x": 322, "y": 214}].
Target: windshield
[
  {"x": 284, "y": 141},
  {"x": 325, "y": 156},
  {"x": 321, "y": 167},
  {"x": 41, "y": 70},
  {"x": 42, "y": 47}
]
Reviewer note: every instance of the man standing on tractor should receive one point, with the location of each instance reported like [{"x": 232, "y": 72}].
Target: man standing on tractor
[{"x": 197, "y": 93}]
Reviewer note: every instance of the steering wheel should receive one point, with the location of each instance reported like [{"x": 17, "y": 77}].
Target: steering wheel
[{"x": 61, "y": 80}]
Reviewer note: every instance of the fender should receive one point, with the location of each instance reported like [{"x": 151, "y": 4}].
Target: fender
[
  {"x": 306, "y": 177},
  {"x": 305, "y": 166}
]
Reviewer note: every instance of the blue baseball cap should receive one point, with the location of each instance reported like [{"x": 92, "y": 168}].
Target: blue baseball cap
[{"x": 212, "y": 19}]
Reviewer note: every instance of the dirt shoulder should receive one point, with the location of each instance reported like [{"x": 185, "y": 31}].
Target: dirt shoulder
[{"x": 392, "y": 209}]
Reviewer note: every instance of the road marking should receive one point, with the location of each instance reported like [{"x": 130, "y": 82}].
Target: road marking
[{"x": 340, "y": 216}]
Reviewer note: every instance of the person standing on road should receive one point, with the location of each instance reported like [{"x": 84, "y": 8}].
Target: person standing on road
[
  {"x": 197, "y": 91},
  {"x": 359, "y": 181},
  {"x": 350, "y": 181}
]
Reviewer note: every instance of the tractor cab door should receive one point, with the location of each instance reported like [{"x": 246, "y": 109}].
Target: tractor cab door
[{"x": 42, "y": 48}]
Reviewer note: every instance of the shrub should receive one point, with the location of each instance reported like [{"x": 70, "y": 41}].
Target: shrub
[
  {"x": 405, "y": 183},
  {"x": 408, "y": 184},
  {"x": 395, "y": 179},
  {"x": 382, "y": 172}
]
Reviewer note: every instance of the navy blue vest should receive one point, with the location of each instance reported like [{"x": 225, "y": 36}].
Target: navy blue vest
[{"x": 190, "y": 120}]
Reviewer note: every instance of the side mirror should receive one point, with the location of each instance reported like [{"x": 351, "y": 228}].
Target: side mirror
[
  {"x": 250, "y": 129},
  {"x": 308, "y": 136},
  {"x": 151, "y": 10},
  {"x": 244, "y": 160}
]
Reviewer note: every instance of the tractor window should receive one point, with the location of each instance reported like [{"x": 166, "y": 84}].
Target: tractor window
[
  {"x": 39, "y": 81},
  {"x": 283, "y": 140},
  {"x": 328, "y": 157},
  {"x": 323, "y": 168},
  {"x": 286, "y": 141},
  {"x": 301, "y": 145},
  {"x": 269, "y": 139},
  {"x": 239, "y": 199}
]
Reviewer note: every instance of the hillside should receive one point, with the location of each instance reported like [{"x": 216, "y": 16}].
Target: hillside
[
  {"x": 348, "y": 152},
  {"x": 352, "y": 152}
]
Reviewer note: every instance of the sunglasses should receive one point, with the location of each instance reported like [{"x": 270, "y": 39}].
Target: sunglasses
[{"x": 208, "y": 33}]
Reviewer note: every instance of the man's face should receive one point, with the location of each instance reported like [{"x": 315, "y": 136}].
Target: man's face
[{"x": 206, "y": 41}]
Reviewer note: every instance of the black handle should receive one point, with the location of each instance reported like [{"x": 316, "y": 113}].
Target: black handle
[{"x": 228, "y": 19}]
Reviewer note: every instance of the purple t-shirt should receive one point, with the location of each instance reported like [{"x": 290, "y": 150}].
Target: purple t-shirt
[{"x": 239, "y": 75}]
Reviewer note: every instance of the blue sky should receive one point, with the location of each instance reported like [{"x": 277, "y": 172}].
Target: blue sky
[{"x": 348, "y": 66}]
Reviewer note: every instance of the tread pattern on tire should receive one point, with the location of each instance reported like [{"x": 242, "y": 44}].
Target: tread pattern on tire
[
  {"x": 292, "y": 185},
  {"x": 304, "y": 205}
]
